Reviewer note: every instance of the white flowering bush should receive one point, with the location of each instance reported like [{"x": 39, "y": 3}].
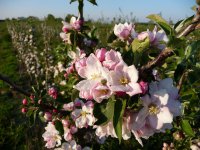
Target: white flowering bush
[{"x": 136, "y": 89}]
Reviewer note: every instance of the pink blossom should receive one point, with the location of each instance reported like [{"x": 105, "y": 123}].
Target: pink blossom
[
  {"x": 173, "y": 104},
  {"x": 155, "y": 110},
  {"x": 72, "y": 145},
  {"x": 53, "y": 92},
  {"x": 47, "y": 116},
  {"x": 124, "y": 79},
  {"x": 101, "y": 92},
  {"x": 65, "y": 37},
  {"x": 69, "y": 106},
  {"x": 105, "y": 130},
  {"x": 156, "y": 38},
  {"x": 84, "y": 117},
  {"x": 73, "y": 129},
  {"x": 100, "y": 54},
  {"x": 78, "y": 103},
  {"x": 144, "y": 86},
  {"x": 80, "y": 64},
  {"x": 124, "y": 31},
  {"x": 92, "y": 73},
  {"x": 65, "y": 122},
  {"x": 66, "y": 27},
  {"x": 51, "y": 136},
  {"x": 76, "y": 23},
  {"x": 67, "y": 134},
  {"x": 86, "y": 94},
  {"x": 112, "y": 58}
]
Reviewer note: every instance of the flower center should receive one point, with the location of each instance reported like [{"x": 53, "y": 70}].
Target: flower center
[
  {"x": 123, "y": 81},
  {"x": 83, "y": 113},
  {"x": 95, "y": 76},
  {"x": 153, "y": 109},
  {"x": 104, "y": 91}
]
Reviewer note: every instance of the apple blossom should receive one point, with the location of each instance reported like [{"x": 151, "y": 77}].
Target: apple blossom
[
  {"x": 69, "y": 106},
  {"x": 124, "y": 79},
  {"x": 47, "y": 116},
  {"x": 105, "y": 130},
  {"x": 100, "y": 54},
  {"x": 72, "y": 145},
  {"x": 53, "y": 93},
  {"x": 92, "y": 73},
  {"x": 124, "y": 31},
  {"x": 112, "y": 58},
  {"x": 84, "y": 117},
  {"x": 51, "y": 136},
  {"x": 157, "y": 38},
  {"x": 101, "y": 92}
]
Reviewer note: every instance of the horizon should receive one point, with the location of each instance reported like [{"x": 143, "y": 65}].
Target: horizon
[{"x": 179, "y": 9}]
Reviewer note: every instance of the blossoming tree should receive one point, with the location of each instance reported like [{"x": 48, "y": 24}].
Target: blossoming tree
[{"x": 129, "y": 90}]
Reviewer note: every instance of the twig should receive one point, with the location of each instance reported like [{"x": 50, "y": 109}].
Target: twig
[
  {"x": 13, "y": 86},
  {"x": 195, "y": 24},
  {"x": 145, "y": 70},
  {"x": 167, "y": 52}
]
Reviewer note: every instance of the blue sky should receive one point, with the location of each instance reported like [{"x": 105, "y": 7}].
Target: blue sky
[{"x": 174, "y": 9}]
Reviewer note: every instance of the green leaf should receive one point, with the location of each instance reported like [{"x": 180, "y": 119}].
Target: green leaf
[
  {"x": 118, "y": 43},
  {"x": 59, "y": 127},
  {"x": 181, "y": 24},
  {"x": 140, "y": 45},
  {"x": 93, "y": 2},
  {"x": 162, "y": 23},
  {"x": 111, "y": 37},
  {"x": 104, "y": 112},
  {"x": 187, "y": 128},
  {"x": 118, "y": 117}
]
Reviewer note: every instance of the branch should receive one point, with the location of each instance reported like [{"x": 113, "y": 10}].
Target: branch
[
  {"x": 13, "y": 86},
  {"x": 167, "y": 52},
  {"x": 158, "y": 61},
  {"x": 194, "y": 26}
]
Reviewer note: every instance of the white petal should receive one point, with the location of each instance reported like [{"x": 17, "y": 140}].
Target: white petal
[{"x": 165, "y": 116}]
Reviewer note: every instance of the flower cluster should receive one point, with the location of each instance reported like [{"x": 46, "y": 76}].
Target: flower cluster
[
  {"x": 106, "y": 74},
  {"x": 126, "y": 32}
]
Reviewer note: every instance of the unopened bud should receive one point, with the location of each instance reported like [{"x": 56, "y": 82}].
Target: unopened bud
[
  {"x": 24, "y": 110},
  {"x": 24, "y": 102}
]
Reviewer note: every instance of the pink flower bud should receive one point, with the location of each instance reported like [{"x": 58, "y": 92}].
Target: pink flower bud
[
  {"x": 89, "y": 103},
  {"x": 55, "y": 110},
  {"x": 65, "y": 123},
  {"x": 144, "y": 86},
  {"x": 24, "y": 102},
  {"x": 100, "y": 54},
  {"x": 73, "y": 129},
  {"x": 24, "y": 110},
  {"x": 120, "y": 94},
  {"x": 48, "y": 116},
  {"x": 78, "y": 103},
  {"x": 40, "y": 101},
  {"x": 53, "y": 92}
]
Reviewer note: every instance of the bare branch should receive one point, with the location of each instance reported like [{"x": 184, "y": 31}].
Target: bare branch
[{"x": 13, "y": 86}]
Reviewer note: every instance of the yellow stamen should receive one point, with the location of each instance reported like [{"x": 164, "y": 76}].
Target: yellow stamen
[
  {"x": 153, "y": 109},
  {"x": 123, "y": 81}
]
